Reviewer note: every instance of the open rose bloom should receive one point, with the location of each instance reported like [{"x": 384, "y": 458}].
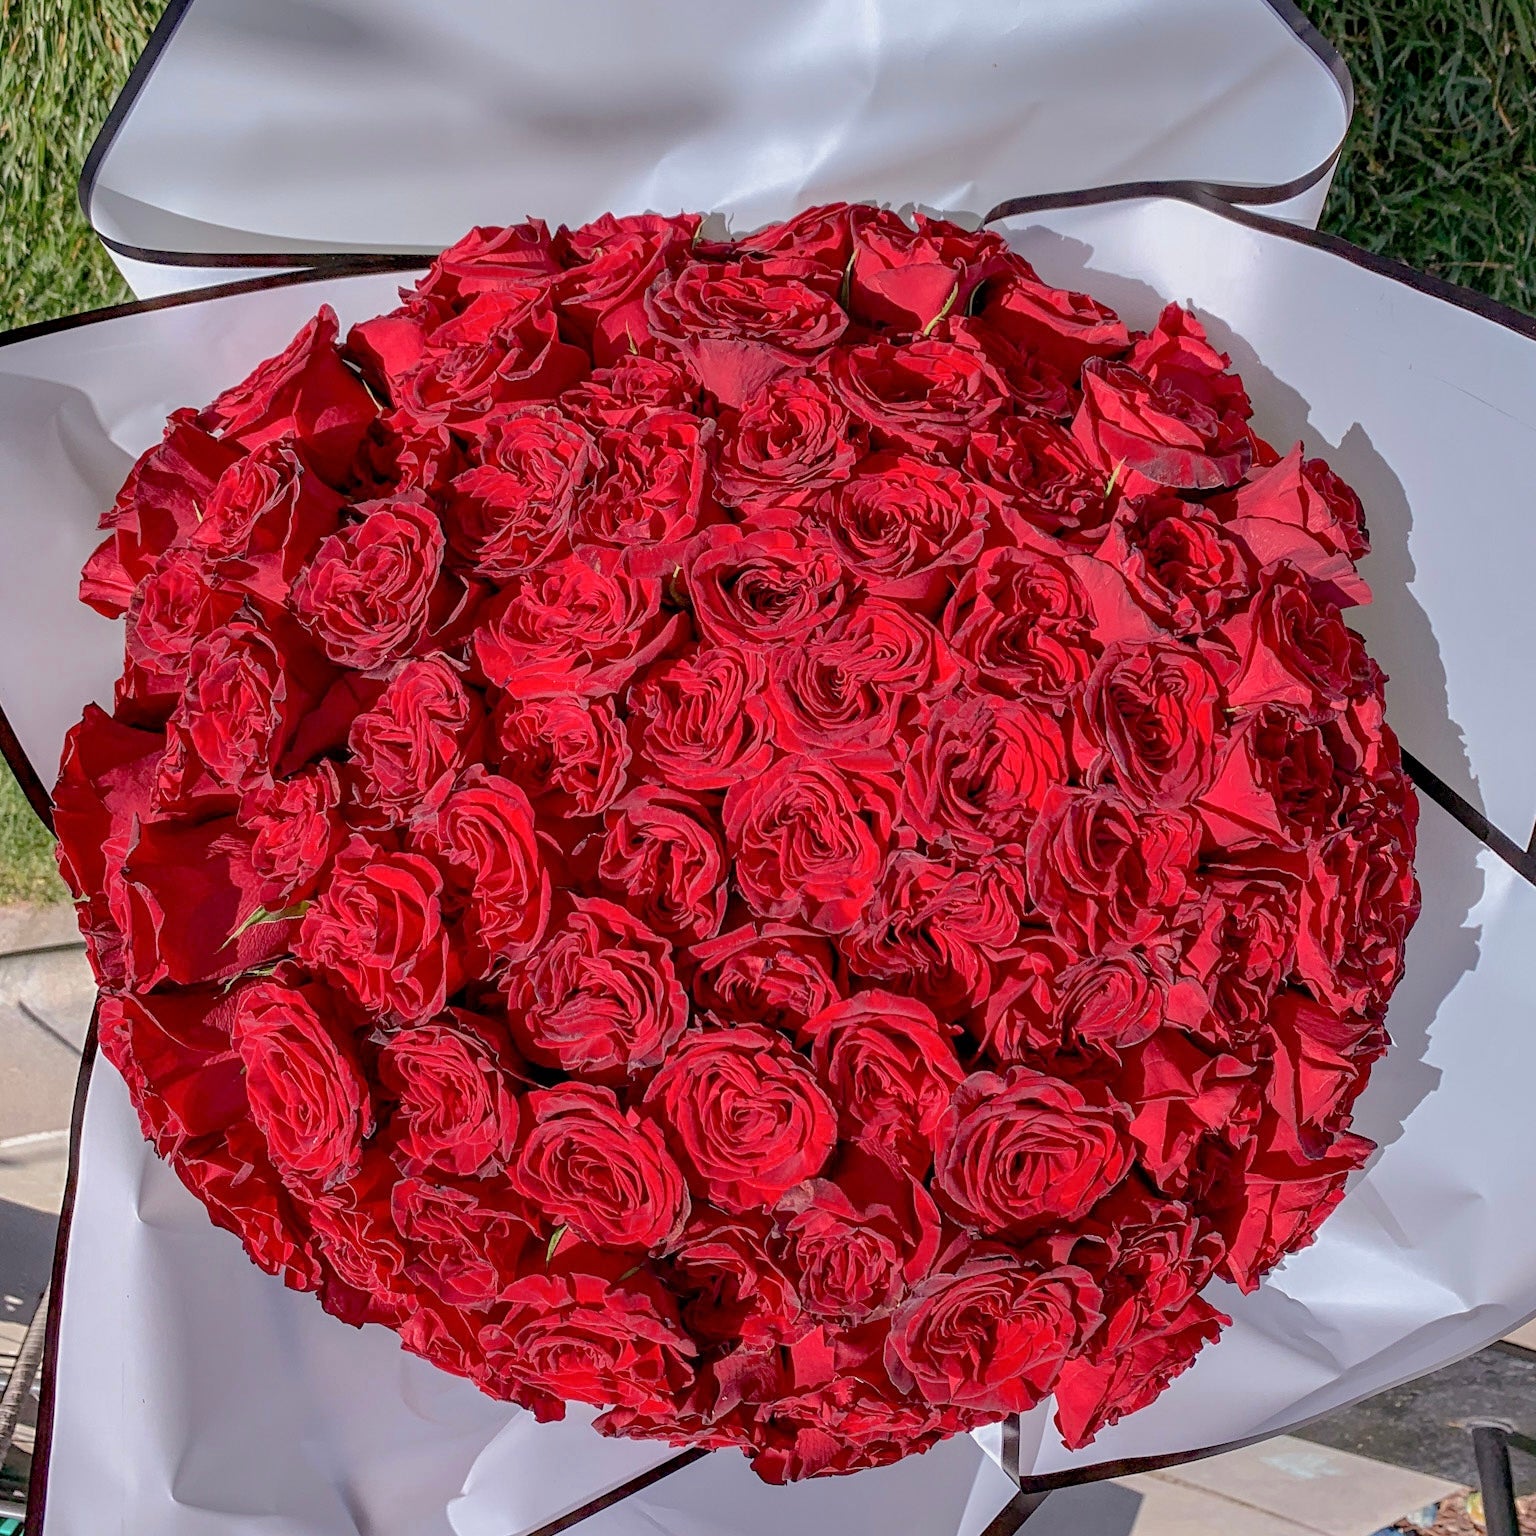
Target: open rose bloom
[{"x": 717, "y": 851}]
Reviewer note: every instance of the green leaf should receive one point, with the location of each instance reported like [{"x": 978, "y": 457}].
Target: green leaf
[
  {"x": 554, "y": 1242},
  {"x": 949, "y": 304},
  {"x": 261, "y": 915}
]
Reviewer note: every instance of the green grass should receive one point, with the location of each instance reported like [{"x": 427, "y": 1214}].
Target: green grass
[
  {"x": 1440, "y": 166},
  {"x": 61, "y": 63},
  {"x": 1439, "y": 171}
]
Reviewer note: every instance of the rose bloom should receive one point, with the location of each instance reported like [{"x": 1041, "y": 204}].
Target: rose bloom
[
  {"x": 771, "y": 973},
  {"x": 365, "y": 595},
  {"x": 605, "y": 1173},
  {"x": 698, "y": 721},
  {"x": 756, "y": 586},
  {"x": 745, "y": 1115},
  {"x": 307, "y": 1092},
  {"x": 808, "y": 841},
  {"x": 456, "y": 1110},
  {"x": 570, "y": 756},
  {"x": 891, "y": 1070},
  {"x": 662, "y": 855},
  {"x": 600, "y": 998},
  {"x": 992, "y": 1334},
  {"x": 1018, "y": 1150},
  {"x": 377, "y": 927},
  {"x": 789, "y": 443}
]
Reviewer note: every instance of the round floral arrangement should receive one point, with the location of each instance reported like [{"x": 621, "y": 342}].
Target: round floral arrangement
[{"x": 781, "y": 836}]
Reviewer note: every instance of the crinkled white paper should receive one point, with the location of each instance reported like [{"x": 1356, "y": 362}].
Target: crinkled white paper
[{"x": 308, "y": 126}]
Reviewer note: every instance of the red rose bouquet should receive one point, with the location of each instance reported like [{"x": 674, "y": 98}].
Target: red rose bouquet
[{"x": 783, "y": 837}]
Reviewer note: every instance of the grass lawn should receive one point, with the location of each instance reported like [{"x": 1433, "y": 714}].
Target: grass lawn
[{"x": 1440, "y": 171}]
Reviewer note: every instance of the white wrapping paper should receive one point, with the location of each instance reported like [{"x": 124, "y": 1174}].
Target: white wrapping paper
[
  {"x": 194, "y": 1395},
  {"x": 280, "y": 130}
]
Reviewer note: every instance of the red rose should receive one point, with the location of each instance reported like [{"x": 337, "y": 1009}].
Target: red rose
[
  {"x": 1277, "y": 1202},
  {"x": 855, "y": 1243},
  {"x": 243, "y": 1195},
  {"x": 613, "y": 263},
  {"x": 730, "y": 1288},
  {"x": 174, "y": 1051},
  {"x": 662, "y": 854},
  {"x": 180, "y": 895},
  {"x": 409, "y": 747},
  {"x": 1292, "y": 647},
  {"x": 1127, "y": 1375},
  {"x": 628, "y": 392},
  {"x": 922, "y": 398},
  {"x": 173, "y": 608},
  {"x": 1103, "y": 873},
  {"x": 580, "y": 626},
  {"x": 1277, "y": 780},
  {"x": 1181, "y": 1091},
  {"x": 755, "y": 586},
  {"x": 589, "y": 1165},
  {"x": 463, "y": 1248},
  {"x": 903, "y": 524},
  {"x": 1066, "y": 328},
  {"x": 1243, "y": 942},
  {"x": 698, "y": 721},
  {"x": 651, "y": 487},
  {"x": 159, "y": 506},
  {"x": 585, "y": 1338},
  {"x": 1019, "y": 1023},
  {"x": 263, "y": 521},
  {"x": 786, "y": 445},
  {"x": 910, "y": 276},
  {"x": 1151, "y": 716},
  {"x": 1149, "y": 432},
  {"x": 744, "y": 1114},
  {"x": 935, "y": 926},
  {"x": 307, "y": 393},
  {"x": 307, "y": 1093},
  {"x": 1017, "y": 1151},
  {"x": 502, "y": 348},
  {"x": 822, "y": 235},
  {"x": 844, "y": 692},
  {"x": 294, "y": 831},
  {"x": 991, "y": 1335},
  {"x": 569, "y": 755},
  {"x": 485, "y": 838},
  {"x": 1032, "y": 621},
  {"x": 454, "y": 1108},
  {"x": 1320, "y": 1061},
  {"x": 365, "y": 596},
  {"x": 106, "y": 780},
  {"x": 1112, "y": 1002},
  {"x": 490, "y": 257},
  {"x": 600, "y": 998},
  {"x": 1046, "y": 477},
  {"x": 1357, "y": 904},
  {"x": 768, "y": 973},
  {"x": 738, "y": 328},
  {"x": 1036, "y": 386},
  {"x": 890, "y": 1068},
  {"x": 808, "y": 841},
  {"x": 377, "y": 928},
  {"x": 513, "y": 510},
  {"x": 1154, "y": 1322},
  {"x": 239, "y": 711},
  {"x": 1184, "y": 567},
  {"x": 979, "y": 770},
  {"x": 1306, "y": 494}
]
